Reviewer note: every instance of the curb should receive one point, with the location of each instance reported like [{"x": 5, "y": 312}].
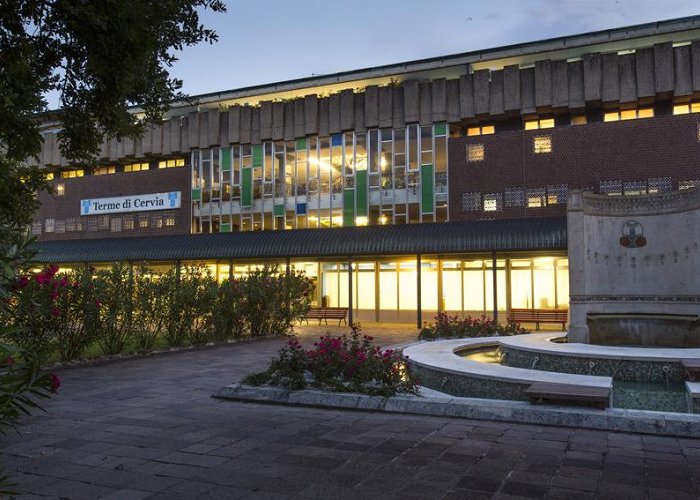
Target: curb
[{"x": 442, "y": 405}]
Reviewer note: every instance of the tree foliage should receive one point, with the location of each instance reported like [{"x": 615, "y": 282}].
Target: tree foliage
[{"x": 101, "y": 56}]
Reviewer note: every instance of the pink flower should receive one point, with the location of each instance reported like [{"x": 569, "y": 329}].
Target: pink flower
[
  {"x": 98, "y": 303},
  {"x": 22, "y": 282},
  {"x": 55, "y": 382},
  {"x": 54, "y": 294},
  {"x": 55, "y": 312}
]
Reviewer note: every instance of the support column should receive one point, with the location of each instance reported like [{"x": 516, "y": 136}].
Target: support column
[
  {"x": 230, "y": 268},
  {"x": 288, "y": 264},
  {"x": 377, "y": 300},
  {"x": 131, "y": 290},
  {"x": 350, "y": 304},
  {"x": 419, "y": 312},
  {"x": 495, "y": 286},
  {"x": 178, "y": 270},
  {"x": 440, "y": 296}
]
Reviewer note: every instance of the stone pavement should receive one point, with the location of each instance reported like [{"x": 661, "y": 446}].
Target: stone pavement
[{"x": 148, "y": 428}]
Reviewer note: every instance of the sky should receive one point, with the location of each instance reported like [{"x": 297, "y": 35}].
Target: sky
[{"x": 266, "y": 41}]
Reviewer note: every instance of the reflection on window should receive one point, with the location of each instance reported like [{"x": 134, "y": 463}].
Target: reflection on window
[
  {"x": 136, "y": 167},
  {"x": 70, "y": 174},
  {"x": 481, "y": 130},
  {"x": 578, "y": 119},
  {"x": 628, "y": 114},
  {"x": 103, "y": 170},
  {"x": 175, "y": 162},
  {"x": 538, "y": 124}
]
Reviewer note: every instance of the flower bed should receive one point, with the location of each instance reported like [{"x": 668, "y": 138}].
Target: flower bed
[
  {"x": 447, "y": 327},
  {"x": 344, "y": 364}
]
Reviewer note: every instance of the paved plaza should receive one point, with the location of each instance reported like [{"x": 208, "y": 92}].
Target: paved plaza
[{"x": 148, "y": 428}]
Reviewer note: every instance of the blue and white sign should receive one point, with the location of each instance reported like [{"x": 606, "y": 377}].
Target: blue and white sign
[{"x": 134, "y": 203}]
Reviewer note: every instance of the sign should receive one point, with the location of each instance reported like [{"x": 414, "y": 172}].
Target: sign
[
  {"x": 134, "y": 203},
  {"x": 632, "y": 235}
]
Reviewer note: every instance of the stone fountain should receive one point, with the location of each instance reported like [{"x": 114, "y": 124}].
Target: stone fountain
[{"x": 634, "y": 269}]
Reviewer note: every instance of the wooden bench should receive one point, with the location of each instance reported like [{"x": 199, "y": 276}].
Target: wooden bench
[
  {"x": 538, "y": 316},
  {"x": 692, "y": 369},
  {"x": 326, "y": 313},
  {"x": 547, "y": 392}
]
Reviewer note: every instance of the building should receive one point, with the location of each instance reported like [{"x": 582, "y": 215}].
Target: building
[{"x": 437, "y": 185}]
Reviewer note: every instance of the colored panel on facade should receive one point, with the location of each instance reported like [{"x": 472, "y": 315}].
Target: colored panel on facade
[
  {"x": 361, "y": 187},
  {"x": 196, "y": 194},
  {"x": 225, "y": 228},
  {"x": 337, "y": 140},
  {"x": 427, "y": 189},
  {"x": 301, "y": 208},
  {"x": 349, "y": 207},
  {"x": 226, "y": 159},
  {"x": 302, "y": 144},
  {"x": 441, "y": 129},
  {"x": 278, "y": 210},
  {"x": 257, "y": 155},
  {"x": 246, "y": 187}
]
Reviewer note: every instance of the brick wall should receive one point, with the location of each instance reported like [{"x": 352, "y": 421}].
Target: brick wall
[
  {"x": 67, "y": 207},
  {"x": 662, "y": 149}
]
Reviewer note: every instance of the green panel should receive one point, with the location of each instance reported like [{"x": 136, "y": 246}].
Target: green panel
[
  {"x": 349, "y": 207},
  {"x": 196, "y": 194},
  {"x": 246, "y": 187},
  {"x": 427, "y": 189},
  {"x": 441, "y": 129},
  {"x": 225, "y": 228},
  {"x": 257, "y": 155},
  {"x": 226, "y": 159},
  {"x": 361, "y": 188},
  {"x": 302, "y": 144},
  {"x": 278, "y": 210}
]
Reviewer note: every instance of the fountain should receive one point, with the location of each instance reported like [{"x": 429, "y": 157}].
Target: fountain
[{"x": 634, "y": 325}]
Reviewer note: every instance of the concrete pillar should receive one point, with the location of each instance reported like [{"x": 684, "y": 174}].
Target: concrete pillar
[
  {"x": 350, "y": 302},
  {"x": 419, "y": 312},
  {"x": 494, "y": 263}
]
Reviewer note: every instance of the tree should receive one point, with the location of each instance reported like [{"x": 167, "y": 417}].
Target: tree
[{"x": 101, "y": 56}]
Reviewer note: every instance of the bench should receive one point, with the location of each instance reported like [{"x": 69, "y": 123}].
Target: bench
[
  {"x": 692, "y": 369},
  {"x": 538, "y": 316},
  {"x": 326, "y": 313},
  {"x": 548, "y": 392}
]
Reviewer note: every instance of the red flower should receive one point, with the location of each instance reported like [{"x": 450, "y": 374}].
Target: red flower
[
  {"x": 55, "y": 382},
  {"x": 98, "y": 303},
  {"x": 55, "y": 312}
]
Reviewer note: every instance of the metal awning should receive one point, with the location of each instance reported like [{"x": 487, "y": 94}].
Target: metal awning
[{"x": 546, "y": 233}]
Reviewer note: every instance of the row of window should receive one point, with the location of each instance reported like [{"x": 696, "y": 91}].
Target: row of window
[
  {"x": 539, "y": 197},
  {"x": 112, "y": 169},
  {"x": 541, "y": 144},
  {"x": 582, "y": 119},
  {"x": 115, "y": 224}
]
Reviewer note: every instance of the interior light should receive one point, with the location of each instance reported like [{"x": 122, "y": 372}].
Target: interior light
[
  {"x": 383, "y": 219},
  {"x": 361, "y": 221}
]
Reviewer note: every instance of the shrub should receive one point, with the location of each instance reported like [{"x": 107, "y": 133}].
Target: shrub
[
  {"x": 114, "y": 286},
  {"x": 150, "y": 308},
  {"x": 53, "y": 312},
  {"x": 272, "y": 302},
  {"x": 227, "y": 316},
  {"x": 345, "y": 364},
  {"x": 447, "y": 326}
]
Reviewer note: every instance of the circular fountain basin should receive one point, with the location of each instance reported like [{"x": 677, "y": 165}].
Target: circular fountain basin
[{"x": 641, "y": 378}]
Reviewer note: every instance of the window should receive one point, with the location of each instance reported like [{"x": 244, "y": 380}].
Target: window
[
  {"x": 628, "y": 114},
  {"x": 578, "y": 119},
  {"x": 136, "y": 167},
  {"x": 128, "y": 223},
  {"x": 515, "y": 197},
  {"x": 538, "y": 124},
  {"x": 48, "y": 176},
  {"x": 36, "y": 228},
  {"x": 70, "y": 174},
  {"x": 688, "y": 184},
  {"x": 481, "y": 130},
  {"x": 556, "y": 194},
  {"x": 60, "y": 226},
  {"x": 634, "y": 188},
  {"x": 170, "y": 220},
  {"x": 611, "y": 188},
  {"x": 542, "y": 144},
  {"x": 49, "y": 225},
  {"x": 73, "y": 224},
  {"x": 103, "y": 222},
  {"x": 109, "y": 169},
  {"x": 493, "y": 202},
  {"x": 471, "y": 202},
  {"x": 475, "y": 152},
  {"x": 60, "y": 189},
  {"x": 536, "y": 198},
  {"x": 115, "y": 225},
  {"x": 175, "y": 162},
  {"x": 659, "y": 185},
  {"x": 143, "y": 222}
]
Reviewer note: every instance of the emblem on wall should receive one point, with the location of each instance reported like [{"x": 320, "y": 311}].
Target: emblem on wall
[{"x": 632, "y": 235}]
